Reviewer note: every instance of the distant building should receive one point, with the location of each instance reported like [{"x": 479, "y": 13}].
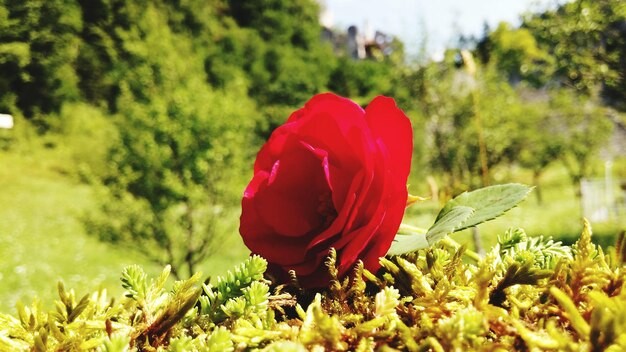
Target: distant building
[
  {"x": 352, "y": 42},
  {"x": 357, "y": 45}
]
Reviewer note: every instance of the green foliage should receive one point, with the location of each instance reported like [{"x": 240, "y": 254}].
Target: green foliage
[
  {"x": 365, "y": 79},
  {"x": 586, "y": 39},
  {"x": 488, "y": 203},
  {"x": 448, "y": 221},
  {"x": 544, "y": 252},
  {"x": 272, "y": 48},
  {"x": 295, "y": 75},
  {"x": 172, "y": 175},
  {"x": 458, "y": 108},
  {"x": 157, "y": 103},
  {"x": 526, "y": 293},
  {"x": 448, "y": 111},
  {"x": 516, "y": 52},
  {"x": 280, "y": 21},
  {"x": 39, "y": 48},
  {"x": 85, "y": 133},
  {"x": 580, "y": 119},
  {"x": 465, "y": 211},
  {"x": 237, "y": 293}
]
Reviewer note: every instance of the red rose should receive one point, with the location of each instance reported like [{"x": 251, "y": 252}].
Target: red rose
[{"x": 334, "y": 175}]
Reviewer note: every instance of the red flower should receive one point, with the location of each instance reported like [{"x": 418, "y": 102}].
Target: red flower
[{"x": 334, "y": 175}]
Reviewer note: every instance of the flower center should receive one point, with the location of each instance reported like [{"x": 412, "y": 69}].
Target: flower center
[{"x": 326, "y": 209}]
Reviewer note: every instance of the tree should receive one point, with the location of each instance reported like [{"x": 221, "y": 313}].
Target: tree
[
  {"x": 448, "y": 110},
  {"x": 539, "y": 142},
  {"x": 584, "y": 127},
  {"x": 178, "y": 166},
  {"x": 284, "y": 57},
  {"x": 587, "y": 38},
  {"x": 515, "y": 52},
  {"x": 38, "y": 41},
  {"x": 292, "y": 22},
  {"x": 451, "y": 98},
  {"x": 362, "y": 78}
]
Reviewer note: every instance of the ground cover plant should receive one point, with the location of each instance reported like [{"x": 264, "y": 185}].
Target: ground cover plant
[{"x": 527, "y": 293}]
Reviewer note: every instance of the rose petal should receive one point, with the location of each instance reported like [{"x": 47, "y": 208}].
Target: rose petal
[
  {"x": 339, "y": 223},
  {"x": 250, "y": 222},
  {"x": 352, "y": 245},
  {"x": 271, "y": 151},
  {"x": 389, "y": 124},
  {"x": 349, "y": 150},
  {"x": 291, "y": 200},
  {"x": 327, "y": 103},
  {"x": 278, "y": 249}
]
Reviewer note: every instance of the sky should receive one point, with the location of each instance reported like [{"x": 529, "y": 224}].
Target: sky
[{"x": 439, "y": 22}]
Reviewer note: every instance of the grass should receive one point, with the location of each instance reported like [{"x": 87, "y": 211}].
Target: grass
[{"x": 42, "y": 239}]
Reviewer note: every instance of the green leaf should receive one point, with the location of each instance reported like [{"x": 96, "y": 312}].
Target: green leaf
[
  {"x": 449, "y": 223},
  {"x": 410, "y": 239},
  {"x": 407, "y": 243},
  {"x": 488, "y": 203},
  {"x": 467, "y": 210}
]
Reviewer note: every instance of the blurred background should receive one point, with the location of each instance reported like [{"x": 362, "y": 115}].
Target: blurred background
[{"x": 128, "y": 129}]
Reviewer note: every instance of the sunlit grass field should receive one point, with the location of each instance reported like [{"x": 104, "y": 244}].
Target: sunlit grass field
[{"x": 42, "y": 239}]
